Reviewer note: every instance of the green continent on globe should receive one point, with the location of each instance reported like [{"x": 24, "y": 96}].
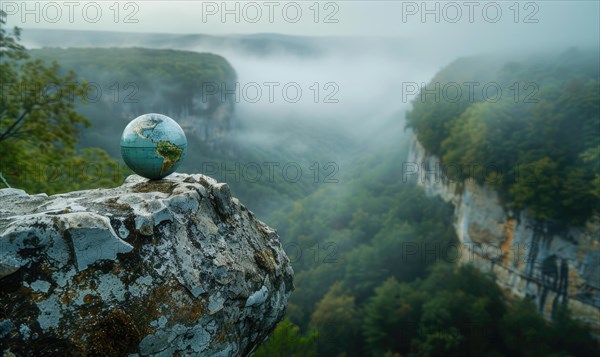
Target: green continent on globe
[{"x": 170, "y": 154}]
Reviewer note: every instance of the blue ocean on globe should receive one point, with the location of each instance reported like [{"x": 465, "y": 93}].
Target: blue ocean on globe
[{"x": 153, "y": 145}]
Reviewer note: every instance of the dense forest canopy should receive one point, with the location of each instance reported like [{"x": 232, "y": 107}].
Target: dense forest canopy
[
  {"x": 162, "y": 78},
  {"x": 534, "y": 136}
]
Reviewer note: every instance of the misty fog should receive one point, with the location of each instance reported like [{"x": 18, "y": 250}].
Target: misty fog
[{"x": 350, "y": 84}]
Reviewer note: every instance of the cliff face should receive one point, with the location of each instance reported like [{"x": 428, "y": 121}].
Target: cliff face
[
  {"x": 530, "y": 257},
  {"x": 150, "y": 268}
]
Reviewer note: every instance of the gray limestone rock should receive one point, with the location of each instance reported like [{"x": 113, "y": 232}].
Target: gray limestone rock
[{"x": 150, "y": 268}]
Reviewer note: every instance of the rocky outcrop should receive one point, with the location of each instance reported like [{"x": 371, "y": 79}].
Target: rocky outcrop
[
  {"x": 150, "y": 268},
  {"x": 546, "y": 261}
]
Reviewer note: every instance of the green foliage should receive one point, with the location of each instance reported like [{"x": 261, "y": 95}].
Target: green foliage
[
  {"x": 391, "y": 317},
  {"x": 461, "y": 312},
  {"x": 391, "y": 290},
  {"x": 345, "y": 240},
  {"x": 336, "y": 321},
  {"x": 143, "y": 65},
  {"x": 39, "y": 126},
  {"x": 372, "y": 227},
  {"x": 286, "y": 341},
  {"x": 9, "y": 42},
  {"x": 539, "y": 191},
  {"x": 57, "y": 171},
  {"x": 535, "y": 144}
]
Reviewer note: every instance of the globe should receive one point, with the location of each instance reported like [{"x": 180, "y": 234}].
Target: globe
[{"x": 153, "y": 145}]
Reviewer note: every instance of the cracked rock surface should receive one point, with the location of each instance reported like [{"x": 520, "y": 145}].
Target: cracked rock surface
[{"x": 150, "y": 268}]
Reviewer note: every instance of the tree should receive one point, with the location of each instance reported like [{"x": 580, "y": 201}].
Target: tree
[
  {"x": 287, "y": 341},
  {"x": 392, "y": 318},
  {"x": 37, "y": 103},
  {"x": 528, "y": 339},
  {"x": 336, "y": 320},
  {"x": 538, "y": 188},
  {"x": 39, "y": 125}
]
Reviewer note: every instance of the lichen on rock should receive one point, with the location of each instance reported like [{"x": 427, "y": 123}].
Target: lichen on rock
[{"x": 150, "y": 268}]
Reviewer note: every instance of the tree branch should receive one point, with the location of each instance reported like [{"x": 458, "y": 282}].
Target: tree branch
[{"x": 13, "y": 126}]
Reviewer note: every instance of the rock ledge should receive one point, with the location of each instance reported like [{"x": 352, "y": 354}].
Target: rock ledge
[{"x": 150, "y": 268}]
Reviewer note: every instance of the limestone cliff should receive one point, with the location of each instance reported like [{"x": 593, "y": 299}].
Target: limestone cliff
[
  {"x": 150, "y": 268},
  {"x": 548, "y": 262}
]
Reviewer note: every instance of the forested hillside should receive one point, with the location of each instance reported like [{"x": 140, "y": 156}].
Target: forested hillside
[
  {"x": 124, "y": 83},
  {"x": 537, "y": 142},
  {"x": 375, "y": 275}
]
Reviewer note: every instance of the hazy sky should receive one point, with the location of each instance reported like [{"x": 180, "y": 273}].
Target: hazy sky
[{"x": 481, "y": 21}]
